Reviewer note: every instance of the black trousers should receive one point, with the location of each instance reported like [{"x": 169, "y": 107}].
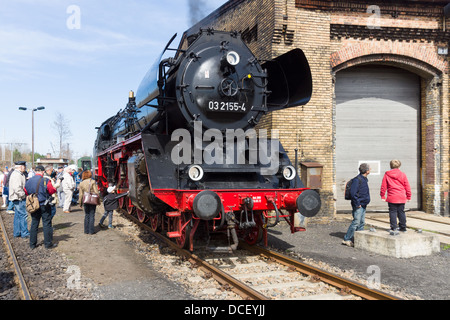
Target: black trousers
[
  {"x": 44, "y": 212},
  {"x": 397, "y": 210}
]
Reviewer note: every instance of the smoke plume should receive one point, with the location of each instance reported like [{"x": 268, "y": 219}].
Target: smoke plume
[{"x": 197, "y": 10}]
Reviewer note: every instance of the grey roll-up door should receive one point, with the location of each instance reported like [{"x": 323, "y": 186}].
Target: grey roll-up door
[{"x": 377, "y": 120}]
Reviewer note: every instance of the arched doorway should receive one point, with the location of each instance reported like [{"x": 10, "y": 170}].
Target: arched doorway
[{"x": 377, "y": 119}]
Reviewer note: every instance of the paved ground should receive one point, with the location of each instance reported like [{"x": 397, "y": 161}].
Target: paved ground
[
  {"x": 426, "y": 277},
  {"x": 110, "y": 261}
]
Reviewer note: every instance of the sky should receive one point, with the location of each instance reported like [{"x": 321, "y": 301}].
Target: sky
[{"x": 79, "y": 58}]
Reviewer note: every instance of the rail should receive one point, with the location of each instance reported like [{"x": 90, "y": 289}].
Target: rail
[
  {"x": 21, "y": 280},
  {"x": 345, "y": 285}
]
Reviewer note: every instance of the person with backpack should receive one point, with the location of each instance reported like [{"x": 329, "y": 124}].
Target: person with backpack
[
  {"x": 43, "y": 187},
  {"x": 396, "y": 184},
  {"x": 360, "y": 198}
]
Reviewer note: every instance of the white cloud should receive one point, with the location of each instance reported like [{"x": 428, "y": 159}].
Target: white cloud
[{"x": 28, "y": 46}]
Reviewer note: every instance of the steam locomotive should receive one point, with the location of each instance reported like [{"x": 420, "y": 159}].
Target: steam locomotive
[{"x": 186, "y": 148}]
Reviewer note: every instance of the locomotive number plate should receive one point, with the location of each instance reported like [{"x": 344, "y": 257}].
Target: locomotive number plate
[{"x": 221, "y": 106}]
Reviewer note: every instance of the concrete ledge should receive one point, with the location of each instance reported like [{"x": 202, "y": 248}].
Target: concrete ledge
[{"x": 404, "y": 245}]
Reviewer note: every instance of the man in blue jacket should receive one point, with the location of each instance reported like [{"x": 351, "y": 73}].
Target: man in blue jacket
[
  {"x": 42, "y": 186},
  {"x": 360, "y": 195}
]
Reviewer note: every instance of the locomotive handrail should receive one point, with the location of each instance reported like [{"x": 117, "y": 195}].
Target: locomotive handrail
[{"x": 277, "y": 217}]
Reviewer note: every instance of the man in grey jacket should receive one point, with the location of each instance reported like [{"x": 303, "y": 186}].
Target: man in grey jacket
[{"x": 17, "y": 196}]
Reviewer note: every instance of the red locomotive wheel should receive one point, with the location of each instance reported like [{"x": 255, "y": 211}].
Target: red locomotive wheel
[
  {"x": 142, "y": 217},
  {"x": 254, "y": 234},
  {"x": 130, "y": 207},
  {"x": 122, "y": 202},
  {"x": 154, "y": 222},
  {"x": 175, "y": 224}
]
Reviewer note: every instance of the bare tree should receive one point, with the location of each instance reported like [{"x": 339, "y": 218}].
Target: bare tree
[{"x": 61, "y": 125}]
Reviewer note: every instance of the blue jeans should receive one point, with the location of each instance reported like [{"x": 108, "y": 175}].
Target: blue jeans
[
  {"x": 53, "y": 210},
  {"x": 89, "y": 218},
  {"x": 359, "y": 215},
  {"x": 20, "y": 219},
  {"x": 108, "y": 214},
  {"x": 11, "y": 206}
]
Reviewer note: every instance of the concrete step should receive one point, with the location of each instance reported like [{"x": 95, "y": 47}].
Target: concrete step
[{"x": 404, "y": 245}]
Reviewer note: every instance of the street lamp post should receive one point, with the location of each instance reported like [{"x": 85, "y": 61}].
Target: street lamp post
[{"x": 32, "y": 129}]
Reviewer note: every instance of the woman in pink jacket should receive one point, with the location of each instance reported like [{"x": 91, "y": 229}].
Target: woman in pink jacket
[{"x": 398, "y": 190}]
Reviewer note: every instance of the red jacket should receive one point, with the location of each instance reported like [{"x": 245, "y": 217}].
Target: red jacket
[
  {"x": 50, "y": 188},
  {"x": 397, "y": 186}
]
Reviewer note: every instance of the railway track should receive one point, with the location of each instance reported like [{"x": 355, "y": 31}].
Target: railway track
[
  {"x": 42, "y": 274},
  {"x": 256, "y": 273},
  {"x": 24, "y": 291}
]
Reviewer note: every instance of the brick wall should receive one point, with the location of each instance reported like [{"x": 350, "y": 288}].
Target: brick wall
[
  {"x": 336, "y": 35},
  {"x": 313, "y": 122}
]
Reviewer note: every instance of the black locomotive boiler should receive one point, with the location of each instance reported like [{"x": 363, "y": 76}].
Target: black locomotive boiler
[{"x": 187, "y": 150}]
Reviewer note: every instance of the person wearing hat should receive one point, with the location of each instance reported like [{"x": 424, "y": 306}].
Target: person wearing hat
[
  {"x": 111, "y": 203},
  {"x": 17, "y": 196},
  {"x": 44, "y": 188},
  {"x": 68, "y": 185}
]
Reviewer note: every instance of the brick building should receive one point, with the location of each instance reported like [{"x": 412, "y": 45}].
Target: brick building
[{"x": 380, "y": 89}]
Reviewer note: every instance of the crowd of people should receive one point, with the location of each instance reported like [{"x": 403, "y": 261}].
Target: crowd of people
[
  {"x": 60, "y": 188},
  {"x": 63, "y": 188}
]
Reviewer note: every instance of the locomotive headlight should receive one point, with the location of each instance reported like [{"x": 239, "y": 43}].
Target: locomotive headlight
[
  {"x": 288, "y": 172},
  {"x": 233, "y": 58},
  {"x": 195, "y": 172}
]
